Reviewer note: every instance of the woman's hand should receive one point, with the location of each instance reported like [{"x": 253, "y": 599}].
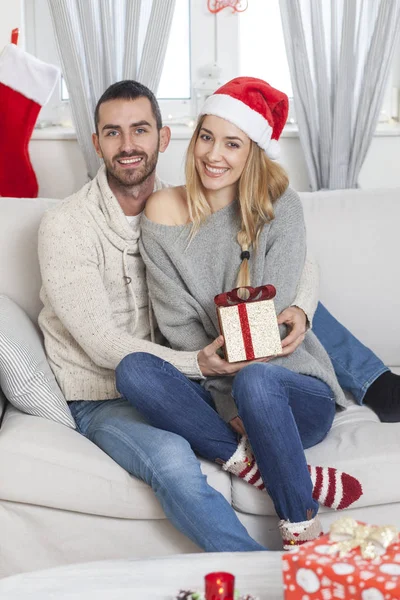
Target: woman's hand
[
  {"x": 295, "y": 319},
  {"x": 211, "y": 363}
]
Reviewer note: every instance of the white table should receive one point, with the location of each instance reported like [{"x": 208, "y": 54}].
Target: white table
[{"x": 257, "y": 573}]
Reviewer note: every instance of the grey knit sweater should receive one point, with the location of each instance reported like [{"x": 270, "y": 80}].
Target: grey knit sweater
[{"x": 183, "y": 279}]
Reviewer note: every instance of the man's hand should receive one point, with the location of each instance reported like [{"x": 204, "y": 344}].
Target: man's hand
[
  {"x": 237, "y": 425},
  {"x": 211, "y": 363},
  {"x": 295, "y": 319}
]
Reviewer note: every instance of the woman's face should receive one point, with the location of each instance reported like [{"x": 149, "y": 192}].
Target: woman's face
[{"x": 220, "y": 153}]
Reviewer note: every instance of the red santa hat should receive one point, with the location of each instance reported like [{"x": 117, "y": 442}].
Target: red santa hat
[{"x": 254, "y": 106}]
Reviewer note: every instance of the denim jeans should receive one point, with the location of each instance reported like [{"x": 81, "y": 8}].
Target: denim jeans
[
  {"x": 283, "y": 412},
  {"x": 166, "y": 462},
  {"x": 356, "y": 366}
]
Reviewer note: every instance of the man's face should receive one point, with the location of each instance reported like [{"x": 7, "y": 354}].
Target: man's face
[{"x": 128, "y": 140}]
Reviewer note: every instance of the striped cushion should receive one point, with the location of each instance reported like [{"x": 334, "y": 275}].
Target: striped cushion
[{"x": 25, "y": 376}]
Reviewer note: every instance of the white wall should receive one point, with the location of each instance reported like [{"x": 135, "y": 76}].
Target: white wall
[
  {"x": 11, "y": 16},
  {"x": 61, "y": 171}
]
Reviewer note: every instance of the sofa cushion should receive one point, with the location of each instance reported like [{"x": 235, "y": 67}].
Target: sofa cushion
[
  {"x": 25, "y": 376},
  {"x": 19, "y": 264},
  {"x": 45, "y": 464},
  {"x": 359, "y": 444}
]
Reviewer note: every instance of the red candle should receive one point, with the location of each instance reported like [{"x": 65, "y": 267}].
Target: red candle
[{"x": 220, "y": 586}]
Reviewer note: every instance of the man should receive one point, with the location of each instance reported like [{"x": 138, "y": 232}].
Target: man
[{"x": 96, "y": 312}]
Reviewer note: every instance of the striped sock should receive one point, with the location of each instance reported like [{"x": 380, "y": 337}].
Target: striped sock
[
  {"x": 243, "y": 464},
  {"x": 331, "y": 487},
  {"x": 334, "y": 489}
]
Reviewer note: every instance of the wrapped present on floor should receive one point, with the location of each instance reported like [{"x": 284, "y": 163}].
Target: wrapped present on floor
[
  {"x": 249, "y": 326},
  {"x": 354, "y": 562}
]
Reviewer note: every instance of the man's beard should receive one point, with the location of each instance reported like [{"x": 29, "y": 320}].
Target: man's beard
[{"x": 135, "y": 176}]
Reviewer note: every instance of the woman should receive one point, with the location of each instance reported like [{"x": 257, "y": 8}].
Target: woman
[{"x": 236, "y": 223}]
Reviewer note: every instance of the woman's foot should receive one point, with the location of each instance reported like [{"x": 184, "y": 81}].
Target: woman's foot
[
  {"x": 243, "y": 464},
  {"x": 331, "y": 487},
  {"x": 383, "y": 396},
  {"x": 296, "y": 534}
]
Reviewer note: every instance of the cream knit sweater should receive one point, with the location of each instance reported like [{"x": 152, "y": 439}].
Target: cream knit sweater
[
  {"x": 87, "y": 250},
  {"x": 88, "y": 256}
]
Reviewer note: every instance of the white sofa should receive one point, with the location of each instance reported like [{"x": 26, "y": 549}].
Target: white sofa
[{"x": 62, "y": 500}]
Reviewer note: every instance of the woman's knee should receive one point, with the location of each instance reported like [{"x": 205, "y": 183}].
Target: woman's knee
[{"x": 259, "y": 383}]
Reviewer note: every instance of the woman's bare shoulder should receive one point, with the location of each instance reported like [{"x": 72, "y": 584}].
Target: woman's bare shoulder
[{"x": 168, "y": 206}]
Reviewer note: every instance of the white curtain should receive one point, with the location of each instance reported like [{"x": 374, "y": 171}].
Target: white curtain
[
  {"x": 103, "y": 41},
  {"x": 339, "y": 54}
]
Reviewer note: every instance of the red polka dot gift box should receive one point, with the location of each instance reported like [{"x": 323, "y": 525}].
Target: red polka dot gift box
[{"x": 354, "y": 562}]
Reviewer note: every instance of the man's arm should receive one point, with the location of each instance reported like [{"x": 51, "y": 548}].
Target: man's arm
[
  {"x": 69, "y": 263},
  {"x": 298, "y": 317},
  {"x": 308, "y": 289}
]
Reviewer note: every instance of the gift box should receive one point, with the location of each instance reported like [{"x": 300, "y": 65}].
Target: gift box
[
  {"x": 249, "y": 326},
  {"x": 354, "y": 562}
]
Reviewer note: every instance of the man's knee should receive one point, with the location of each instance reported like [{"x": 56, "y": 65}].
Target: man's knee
[
  {"x": 138, "y": 360},
  {"x": 134, "y": 368},
  {"x": 174, "y": 465}
]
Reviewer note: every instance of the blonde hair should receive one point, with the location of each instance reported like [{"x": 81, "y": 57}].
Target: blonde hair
[{"x": 261, "y": 183}]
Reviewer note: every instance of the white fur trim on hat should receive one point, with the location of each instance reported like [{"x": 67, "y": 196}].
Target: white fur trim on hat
[
  {"x": 27, "y": 74},
  {"x": 251, "y": 122}
]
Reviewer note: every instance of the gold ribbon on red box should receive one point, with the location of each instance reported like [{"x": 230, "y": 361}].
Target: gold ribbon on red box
[{"x": 371, "y": 539}]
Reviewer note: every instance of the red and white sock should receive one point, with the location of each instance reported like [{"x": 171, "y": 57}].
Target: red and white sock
[
  {"x": 243, "y": 464},
  {"x": 296, "y": 534},
  {"x": 333, "y": 488},
  {"x": 26, "y": 83}
]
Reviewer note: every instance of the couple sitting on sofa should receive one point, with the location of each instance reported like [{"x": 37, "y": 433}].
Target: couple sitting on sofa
[{"x": 135, "y": 398}]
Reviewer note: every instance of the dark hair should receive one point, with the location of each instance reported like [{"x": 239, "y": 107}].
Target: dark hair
[{"x": 128, "y": 90}]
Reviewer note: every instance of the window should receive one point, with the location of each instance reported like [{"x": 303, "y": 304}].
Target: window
[
  {"x": 175, "y": 81},
  {"x": 174, "y": 92},
  {"x": 204, "y": 51},
  {"x": 261, "y": 46}
]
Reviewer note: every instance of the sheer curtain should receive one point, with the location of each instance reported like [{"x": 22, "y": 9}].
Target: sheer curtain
[
  {"x": 339, "y": 54},
  {"x": 103, "y": 41}
]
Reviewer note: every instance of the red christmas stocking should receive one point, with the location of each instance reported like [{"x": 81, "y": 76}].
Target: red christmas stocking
[{"x": 26, "y": 84}]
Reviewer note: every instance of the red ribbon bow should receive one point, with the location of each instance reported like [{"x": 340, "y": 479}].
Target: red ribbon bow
[{"x": 263, "y": 292}]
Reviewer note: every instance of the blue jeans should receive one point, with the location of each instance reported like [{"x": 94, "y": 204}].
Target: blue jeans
[
  {"x": 356, "y": 366},
  {"x": 166, "y": 462},
  {"x": 282, "y": 412}
]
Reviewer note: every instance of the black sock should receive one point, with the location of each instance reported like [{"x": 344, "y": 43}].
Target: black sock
[{"x": 383, "y": 396}]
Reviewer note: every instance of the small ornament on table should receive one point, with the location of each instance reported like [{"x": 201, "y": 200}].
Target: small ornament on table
[
  {"x": 191, "y": 595},
  {"x": 188, "y": 595},
  {"x": 249, "y": 324}
]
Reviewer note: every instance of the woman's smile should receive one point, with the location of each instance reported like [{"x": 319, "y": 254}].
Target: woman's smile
[{"x": 213, "y": 171}]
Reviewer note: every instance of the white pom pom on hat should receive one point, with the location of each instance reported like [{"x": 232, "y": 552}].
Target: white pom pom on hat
[{"x": 254, "y": 106}]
